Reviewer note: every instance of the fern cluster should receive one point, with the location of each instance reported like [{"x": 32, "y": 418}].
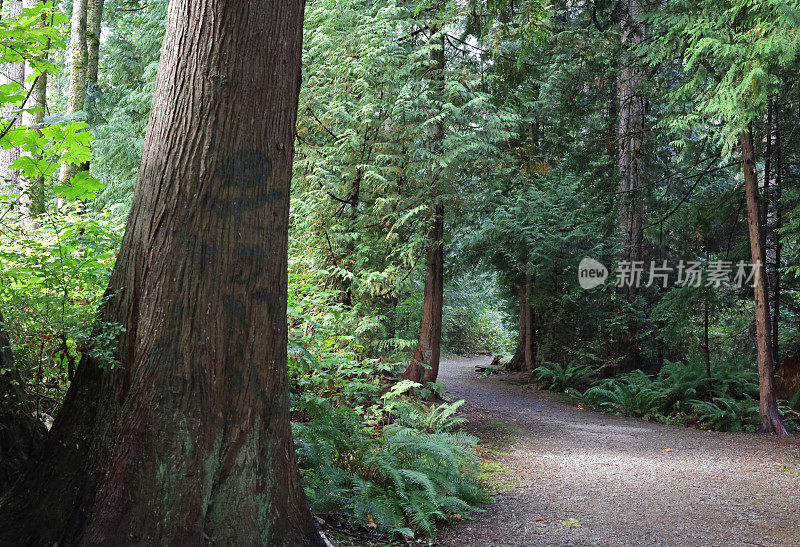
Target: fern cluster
[
  {"x": 680, "y": 394},
  {"x": 558, "y": 377},
  {"x": 397, "y": 480}
]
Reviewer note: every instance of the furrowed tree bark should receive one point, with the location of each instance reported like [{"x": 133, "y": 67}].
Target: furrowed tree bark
[
  {"x": 525, "y": 353},
  {"x": 32, "y": 199},
  {"x": 186, "y": 441},
  {"x": 78, "y": 59},
  {"x": 631, "y": 141},
  {"x": 11, "y": 72},
  {"x": 768, "y": 409},
  {"x": 776, "y": 303},
  {"x": 424, "y": 365},
  {"x": 21, "y": 434}
]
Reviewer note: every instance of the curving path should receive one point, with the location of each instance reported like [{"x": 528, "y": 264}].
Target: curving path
[{"x": 625, "y": 481}]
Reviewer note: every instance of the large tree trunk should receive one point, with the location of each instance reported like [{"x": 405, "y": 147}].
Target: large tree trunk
[
  {"x": 631, "y": 141},
  {"x": 20, "y": 433},
  {"x": 525, "y": 353},
  {"x": 32, "y": 199},
  {"x": 11, "y": 72},
  {"x": 768, "y": 409},
  {"x": 78, "y": 59},
  {"x": 186, "y": 441},
  {"x": 424, "y": 365}
]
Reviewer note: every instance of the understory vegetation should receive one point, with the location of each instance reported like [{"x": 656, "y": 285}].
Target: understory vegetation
[{"x": 680, "y": 394}]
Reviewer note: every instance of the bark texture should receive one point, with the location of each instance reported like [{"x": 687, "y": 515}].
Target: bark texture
[
  {"x": 776, "y": 289},
  {"x": 424, "y": 366},
  {"x": 11, "y": 72},
  {"x": 94, "y": 24},
  {"x": 187, "y": 440},
  {"x": 631, "y": 141},
  {"x": 525, "y": 353},
  {"x": 78, "y": 60},
  {"x": 20, "y": 433},
  {"x": 768, "y": 409}
]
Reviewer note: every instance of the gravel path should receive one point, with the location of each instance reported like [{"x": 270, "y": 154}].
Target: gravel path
[{"x": 625, "y": 481}]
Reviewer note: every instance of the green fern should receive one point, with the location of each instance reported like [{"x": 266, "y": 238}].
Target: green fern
[
  {"x": 397, "y": 482},
  {"x": 727, "y": 413},
  {"x": 558, "y": 377},
  {"x": 632, "y": 394}
]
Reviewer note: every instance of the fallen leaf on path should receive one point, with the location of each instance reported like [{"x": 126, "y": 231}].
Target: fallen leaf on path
[
  {"x": 666, "y": 450},
  {"x": 571, "y": 523}
]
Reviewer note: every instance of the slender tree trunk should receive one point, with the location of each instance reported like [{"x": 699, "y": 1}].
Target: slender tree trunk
[
  {"x": 348, "y": 261},
  {"x": 20, "y": 433},
  {"x": 94, "y": 25},
  {"x": 12, "y": 72},
  {"x": 706, "y": 347},
  {"x": 776, "y": 303},
  {"x": 631, "y": 141},
  {"x": 186, "y": 441},
  {"x": 768, "y": 409},
  {"x": 424, "y": 365},
  {"x": 763, "y": 201},
  {"x": 32, "y": 199},
  {"x": 76, "y": 99},
  {"x": 525, "y": 353}
]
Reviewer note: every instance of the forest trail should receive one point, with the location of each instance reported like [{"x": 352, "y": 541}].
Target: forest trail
[{"x": 625, "y": 481}]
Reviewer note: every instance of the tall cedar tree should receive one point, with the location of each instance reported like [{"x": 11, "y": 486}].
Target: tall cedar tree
[
  {"x": 424, "y": 365},
  {"x": 631, "y": 140},
  {"x": 187, "y": 440},
  {"x": 768, "y": 408}
]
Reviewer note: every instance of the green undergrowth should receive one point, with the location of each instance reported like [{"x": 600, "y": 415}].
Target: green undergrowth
[
  {"x": 680, "y": 394},
  {"x": 375, "y": 461}
]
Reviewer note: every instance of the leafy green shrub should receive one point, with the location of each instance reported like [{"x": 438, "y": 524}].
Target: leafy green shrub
[
  {"x": 371, "y": 458},
  {"x": 323, "y": 363},
  {"x": 558, "y": 377},
  {"x": 396, "y": 480},
  {"x": 52, "y": 281}
]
